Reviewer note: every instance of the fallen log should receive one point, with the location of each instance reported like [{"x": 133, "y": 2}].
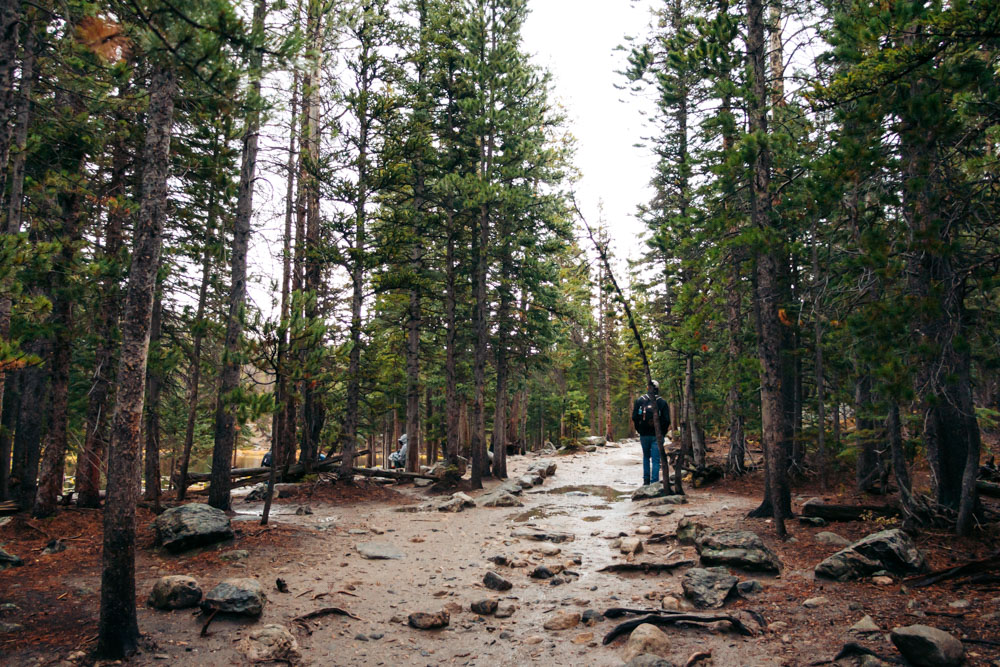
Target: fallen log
[
  {"x": 664, "y": 619},
  {"x": 989, "y": 489},
  {"x": 646, "y": 567},
  {"x": 295, "y": 470},
  {"x": 833, "y": 512},
  {"x": 391, "y": 474}
]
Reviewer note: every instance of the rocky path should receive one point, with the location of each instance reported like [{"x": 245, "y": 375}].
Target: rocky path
[
  {"x": 371, "y": 569},
  {"x": 438, "y": 560}
]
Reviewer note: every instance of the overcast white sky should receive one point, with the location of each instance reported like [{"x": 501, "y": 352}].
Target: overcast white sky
[{"x": 575, "y": 40}]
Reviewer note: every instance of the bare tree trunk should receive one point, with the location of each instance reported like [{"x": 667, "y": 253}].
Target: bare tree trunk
[
  {"x": 773, "y": 417},
  {"x": 153, "y": 390},
  {"x": 194, "y": 374},
  {"x": 10, "y": 17},
  {"x": 820, "y": 389},
  {"x": 697, "y": 440},
  {"x": 118, "y": 629},
  {"x": 90, "y": 462},
  {"x": 232, "y": 365},
  {"x": 54, "y": 460},
  {"x": 451, "y": 409}
]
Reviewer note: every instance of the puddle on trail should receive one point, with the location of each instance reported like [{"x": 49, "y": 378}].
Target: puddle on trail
[
  {"x": 605, "y": 492},
  {"x": 541, "y": 512}
]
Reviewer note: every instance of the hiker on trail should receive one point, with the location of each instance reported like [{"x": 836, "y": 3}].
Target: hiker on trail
[
  {"x": 643, "y": 413},
  {"x": 398, "y": 458}
]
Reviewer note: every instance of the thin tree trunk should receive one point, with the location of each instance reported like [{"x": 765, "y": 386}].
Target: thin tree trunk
[
  {"x": 697, "y": 439},
  {"x": 118, "y": 630},
  {"x": 153, "y": 390},
  {"x": 451, "y": 409},
  {"x": 10, "y": 17},
  {"x": 820, "y": 389},
  {"x": 229, "y": 378},
  {"x": 90, "y": 462},
  {"x": 773, "y": 417}
]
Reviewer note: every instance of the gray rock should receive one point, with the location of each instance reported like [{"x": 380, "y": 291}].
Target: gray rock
[
  {"x": 647, "y": 639},
  {"x": 485, "y": 607},
  {"x": 501, "y": 499},
  {"x": 925, "y": 646},
  {"x": 9, "y": 560},
  {"x": 736, "y": 548},
  {"x": 865, "y": 625},
  {"x": 593, "y": 440},
  {"x": 192, "y": 525},
  {"x": 234, "y": 555},
  {"x": 175, "y": 592},
  {"x": 891, "y": 550},
  {"x": 379, "y": 551},
  {"x": 539, "y": 535},
  {"x": 10, "y": 628},
  {"x": 421, "y": 482},
  {"x": 271, "y": 643},
  {"x": 816, "y": 602},
  {"x": 660, "y": 511},
  {"x": 689, "y": 529},
  {"x": 708, "y": 588},
  {"x": 654, "y": 490},
  {"x": 236, "y": 596},
  {"x": 649, "y": 660},
  {"x": 666, "y": 500},
  {"x": 54, "y": 547},
  {"x": 505, "y": 610},
  {"x": 591, "y": 617},
  {"x": 812, "y": 521},
  {"x": 451, "y": 505},
  {"x": 541, "y": 572},
  {"x": 834, "y": 539},
  {"x": 424, "y": 621},
  {"x": 303, "y": 510},
  {"x": 511, "y": 487},
  {"x": 495, "y": 582},
  {"x": 630, "y": 545},
  {"x": 590, "y": 449},
  {"x": 749, "y": 587}
]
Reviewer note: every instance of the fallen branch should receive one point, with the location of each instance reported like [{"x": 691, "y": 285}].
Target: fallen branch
[
  {"x": 208, "y": 621},
  {"x": 325, "y": 611},
  {"x": 983, "y": 642},
  {"x": 697, "y": 657},
  {"x": 294, "y": 471},
  {"x": 646, "y": 567},
  {"x": 663, "y": 619},
  {"x": 986, "y": 565}
]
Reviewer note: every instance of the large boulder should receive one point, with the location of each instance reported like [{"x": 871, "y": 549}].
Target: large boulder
[
  {"x": 647, "y": 638},
  {"x": 891, "y": 550},
  {"x": 175, "y": 592},
  {"x": 708, "y": 588},
  {"x": 925, "y": 646},
  {"x": 594, "y": 440},
  {"x": 654, "y": 490},
  {"x": 236, "y": 596},
  {"x": 271, "y": 643},
  {"x": 9, "y": 560},
  {"x": 736, "y": 548},
  {"x": 192, "y": 525}
]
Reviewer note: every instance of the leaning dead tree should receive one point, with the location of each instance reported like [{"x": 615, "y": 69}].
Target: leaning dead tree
[{"x": 602, "y": 251}]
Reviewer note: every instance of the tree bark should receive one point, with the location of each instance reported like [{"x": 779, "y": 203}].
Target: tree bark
[
  {"x": 697, "y": 439},
  {"x": 154, "y": 385},
  {"x": 773, "y": 418},
  {"x": 90, "y": 462},
  {"x": 118, "y": 629},
  {"x": 10, "y": 17},
  {"x": 229, "y": 378}
]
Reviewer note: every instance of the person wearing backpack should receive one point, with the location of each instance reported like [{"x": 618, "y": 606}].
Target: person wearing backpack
[{"x": 644, "y": 411}]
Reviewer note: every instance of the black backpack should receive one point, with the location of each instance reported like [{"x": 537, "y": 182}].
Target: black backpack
[{"x": 647, "y": 413}]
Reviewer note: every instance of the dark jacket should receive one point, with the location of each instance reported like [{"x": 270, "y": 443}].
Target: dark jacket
[{"x": 663, "y": 409}]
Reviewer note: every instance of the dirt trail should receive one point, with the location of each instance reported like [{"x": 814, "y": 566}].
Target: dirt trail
[{"x": 445, "y": 558}]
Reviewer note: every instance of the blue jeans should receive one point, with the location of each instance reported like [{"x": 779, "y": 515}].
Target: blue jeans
[{"x": 649, "y": 449}]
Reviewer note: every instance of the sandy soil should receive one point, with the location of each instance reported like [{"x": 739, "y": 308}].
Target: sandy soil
[{"x": 446, "y": 556}]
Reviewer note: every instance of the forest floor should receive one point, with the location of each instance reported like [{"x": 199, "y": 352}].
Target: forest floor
[{"x": 445, "y": 558}]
